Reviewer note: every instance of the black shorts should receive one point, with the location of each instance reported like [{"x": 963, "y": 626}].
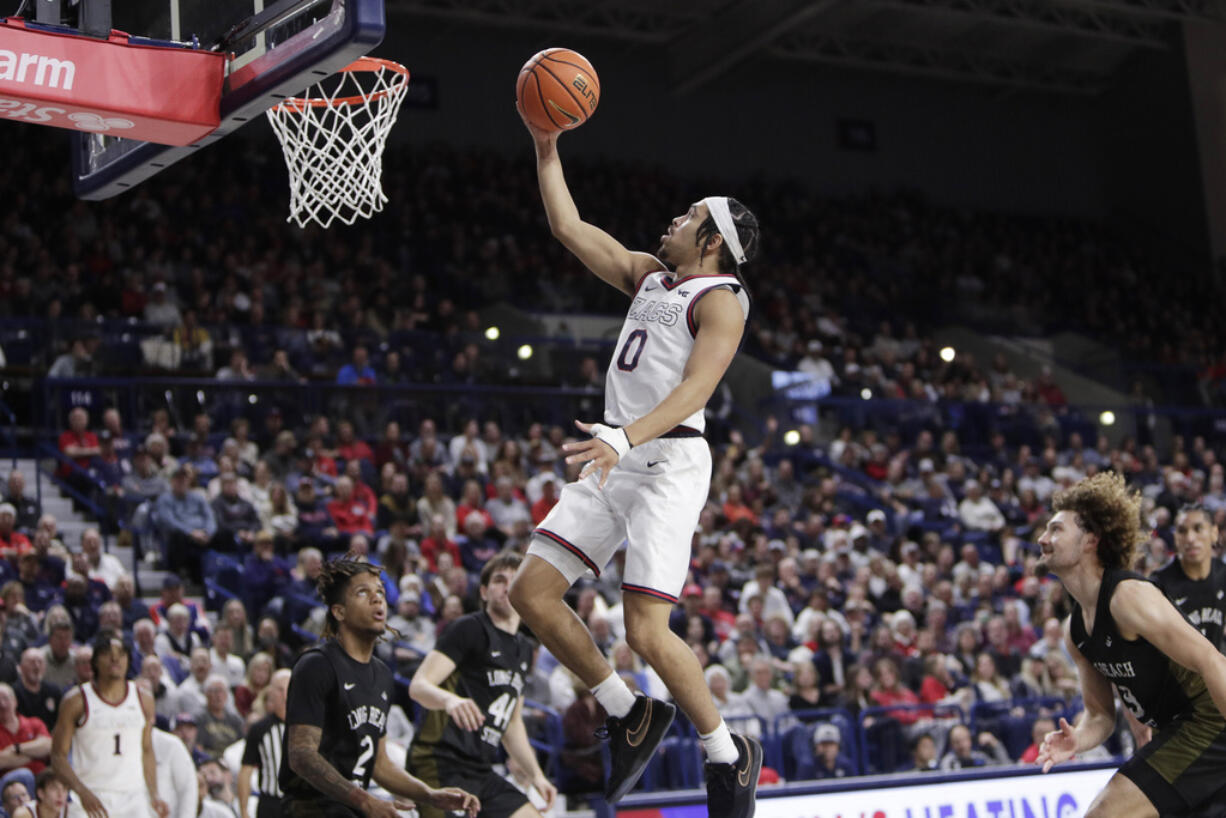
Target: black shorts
[
  {"x": 1180, "y": 769},
  {"x": 268, "y": 806},
  {"x": 316, "y": 808},
  {"x": 499, "y": 798}
]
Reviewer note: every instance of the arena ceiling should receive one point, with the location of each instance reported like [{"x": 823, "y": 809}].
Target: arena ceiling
[{"x": 1061, "y": 46}]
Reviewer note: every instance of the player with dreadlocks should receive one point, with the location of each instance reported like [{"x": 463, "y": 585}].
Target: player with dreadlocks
[
  {"x": 336, "y": 716},
  {"x": 1122, "y": 631}
]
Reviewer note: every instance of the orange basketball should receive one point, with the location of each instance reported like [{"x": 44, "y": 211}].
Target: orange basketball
[{"x": 557, "y": 90}]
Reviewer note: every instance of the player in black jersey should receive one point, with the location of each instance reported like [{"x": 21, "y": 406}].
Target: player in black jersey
[
  {"x": 1195, "y": 581},
  {"x": 472, "y": 684},
  {"x": 1123, "y": 631},
  {"x": 336, "y": 716}
]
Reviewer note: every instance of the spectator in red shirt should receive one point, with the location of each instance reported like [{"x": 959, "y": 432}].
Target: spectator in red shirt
[
  {"x": 890, "y": 690},
  {"x": 12, "y": 542},
  {"x": 24, "y": 741},
  {"x": 364, "y": 493},
  {"x": 78, "y": 442},
  {"x": 436, "y": 542},
  {"x": 473, "y": 499},
  {"x": 549, "y": 499},
  {"x": 350, "y": 447},
  {"x": 349, "y": 513}
]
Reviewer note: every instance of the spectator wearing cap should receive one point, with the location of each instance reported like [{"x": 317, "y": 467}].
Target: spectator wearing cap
[
  {"x": 107, "y": 468},
  {"x": 36, "y": 697},
  {"x": 81, "y": 598},
  {"x": 184, "y": 726},
  {"x": 28, "y": 509},
  {"x": 187, "y": 524},
  {"x": 712, "y": 607},
  {"x": 12, "y": 542},
  {"x": 880, "y": 538},
  {"x": 829, "y": 761}
]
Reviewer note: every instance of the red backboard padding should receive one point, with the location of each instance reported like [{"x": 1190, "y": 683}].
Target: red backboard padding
[{"x": 158, "y": 94}]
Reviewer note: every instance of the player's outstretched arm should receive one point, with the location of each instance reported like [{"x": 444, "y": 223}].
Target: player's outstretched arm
[
  {"x": 245, "y": 772},
  {"x": 1096, "y": 724},
  {"x": 515, "y": 740},
  {"x": 425, "y": 690},
  {"x": 388, "y": 775},
  {"x": 601, "y": 253},
  {"x": 1141, "y": 608},
  {"x": 72, "y": 708}
]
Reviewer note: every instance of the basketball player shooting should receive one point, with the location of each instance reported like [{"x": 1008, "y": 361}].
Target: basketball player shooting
[
  {"x": 336, "y": 715},
  {"x": 103, "y": 740},
  {"x": 647, "y": 475},
  {"x": 1122, "y": 631}
]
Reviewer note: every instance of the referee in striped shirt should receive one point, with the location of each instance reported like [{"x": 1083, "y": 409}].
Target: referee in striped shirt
[{"x": 262, "y": 754}]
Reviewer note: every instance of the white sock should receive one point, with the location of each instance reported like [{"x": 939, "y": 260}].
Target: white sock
[
  {"x": 614, "y": 696},
  {"x": 719, "y": 746}
]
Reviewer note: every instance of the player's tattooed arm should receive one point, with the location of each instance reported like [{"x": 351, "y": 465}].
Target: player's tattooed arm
[{"x": 304, "y": 759}]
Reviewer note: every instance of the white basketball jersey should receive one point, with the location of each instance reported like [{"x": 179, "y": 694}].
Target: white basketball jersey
[
  {"x": 655, "y": 344},
  {"x": 106, "y": 751}
]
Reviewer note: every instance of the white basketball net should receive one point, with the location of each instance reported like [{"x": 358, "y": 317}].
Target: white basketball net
[{"x": 333, "y": 142}]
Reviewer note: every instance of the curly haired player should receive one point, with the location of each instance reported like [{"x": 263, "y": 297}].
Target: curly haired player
[{"x": 1123, "y": 632}]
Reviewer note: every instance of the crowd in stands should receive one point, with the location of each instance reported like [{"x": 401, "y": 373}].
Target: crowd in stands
[
  {"x": 875, "y": 584},
  {"x": 202, "y": 254},
  {"x": 885, "y": 582}
]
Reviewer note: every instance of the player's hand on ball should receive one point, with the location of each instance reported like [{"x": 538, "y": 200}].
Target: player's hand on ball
[
  {"x": 600, "y": 455},
  {"x": 1058, "y": 745},
  {"x": 465, "y": 713},
  {"x": 161, "y": 808},
  {"x": 455, "y": 799},
  {"x": 92, "y": 806}
]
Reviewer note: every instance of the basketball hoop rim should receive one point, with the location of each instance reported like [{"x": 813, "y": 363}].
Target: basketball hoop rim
[{"x": 368, "y": 64}]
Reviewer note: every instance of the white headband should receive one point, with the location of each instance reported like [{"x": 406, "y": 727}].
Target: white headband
[{"x": 717, "y": 206}]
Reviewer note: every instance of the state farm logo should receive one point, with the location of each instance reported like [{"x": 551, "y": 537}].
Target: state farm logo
[{"x": 37, "y": 69}]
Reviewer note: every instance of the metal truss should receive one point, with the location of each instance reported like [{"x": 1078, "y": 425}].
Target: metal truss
[
  {"x": 937, "y": 63},
  {"x": 657, "y": 24},
  {"x": 1093, "y": 20}
]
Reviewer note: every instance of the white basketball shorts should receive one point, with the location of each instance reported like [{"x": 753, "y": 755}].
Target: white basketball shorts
[{"x": 652, "y": 499}]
